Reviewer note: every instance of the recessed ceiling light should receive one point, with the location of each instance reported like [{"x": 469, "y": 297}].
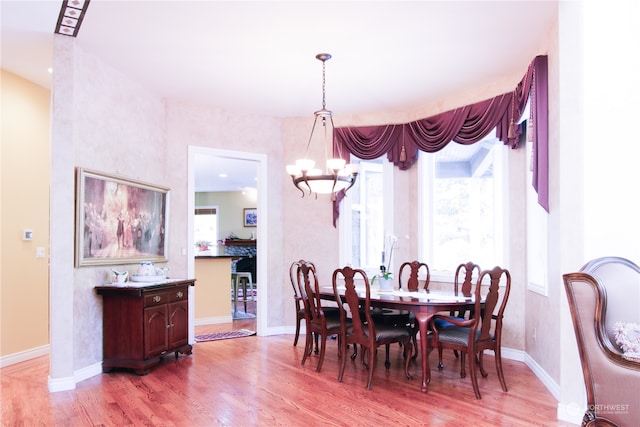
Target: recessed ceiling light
[{"x": 223, "y": 175}]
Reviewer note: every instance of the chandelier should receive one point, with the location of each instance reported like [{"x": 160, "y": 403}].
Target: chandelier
[{"x": 338, "y": 175}]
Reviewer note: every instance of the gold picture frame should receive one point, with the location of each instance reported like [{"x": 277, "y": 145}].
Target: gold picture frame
[{"x": 119, "y": 220}]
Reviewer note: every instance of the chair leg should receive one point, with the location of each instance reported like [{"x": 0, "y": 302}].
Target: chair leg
[
  {"x": 472, "y": 372},
  {"x": 355, "y": 352},
  {"x": 498, "y": 357},
  {"x": 244, "y": 294},
  {"x": 295, "y": 340},
  {"x": 462, "y": 357},
  {"x": 407, "y": 359},
  {"x": 440, "y": 364},
  {"x": 308, "y": 346},
  {"x": 372, "y": 361},
  {"x": 323, "y": 346},
  {"x": 343, "y": 360},
  {"x": 387, "y": 363},
  {"x": 316, "y": 341},
  {"x": 480, "y": 361}
]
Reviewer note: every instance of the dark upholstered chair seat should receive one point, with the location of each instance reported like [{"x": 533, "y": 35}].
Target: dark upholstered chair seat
[{"x": 459, "y": 336}]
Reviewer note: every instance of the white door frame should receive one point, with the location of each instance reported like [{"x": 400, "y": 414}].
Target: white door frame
[{"x": 261, "y": 236}]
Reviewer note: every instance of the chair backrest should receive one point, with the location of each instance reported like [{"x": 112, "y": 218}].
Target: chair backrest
[
  {"x": 362, "y": 329},
  {"x": 464, "y": 273},
  {"x": 412, "y": 282},
  {"x": 463, "y": 283},
  {"x": 621, "y": 281},
  {"x": 310, "y": 291},
  {"x": 493, "y": 288},
  {"x": 294, "y": 275},
  {"x": 598, "y": 295}
]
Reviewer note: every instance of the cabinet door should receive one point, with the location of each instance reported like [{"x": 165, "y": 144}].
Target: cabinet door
[
  {"x": 155, "y": 330},
  {"x": 179, "y": 324}
]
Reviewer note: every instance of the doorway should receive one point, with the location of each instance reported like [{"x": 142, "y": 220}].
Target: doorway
[{"x": 245, "y": 174}]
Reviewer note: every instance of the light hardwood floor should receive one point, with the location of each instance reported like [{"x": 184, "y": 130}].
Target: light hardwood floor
[{"x": 260, "y": 381}]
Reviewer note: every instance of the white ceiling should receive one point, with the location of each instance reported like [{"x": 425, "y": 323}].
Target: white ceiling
[{"x": 259, "y": 56}]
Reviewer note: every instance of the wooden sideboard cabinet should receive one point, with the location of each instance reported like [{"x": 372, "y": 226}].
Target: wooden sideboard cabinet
[{"x": 142, "y": 323}]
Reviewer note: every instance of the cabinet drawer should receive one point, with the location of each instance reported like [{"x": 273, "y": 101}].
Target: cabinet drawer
[
  {"x": 155, "y": 298},
  {"x": 179, "y": 294}
]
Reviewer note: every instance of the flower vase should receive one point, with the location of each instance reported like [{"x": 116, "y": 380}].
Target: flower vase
[{"x": 386, "y": 284}]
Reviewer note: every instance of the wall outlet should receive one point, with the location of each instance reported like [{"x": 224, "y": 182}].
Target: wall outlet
[{"x": 39, "y": 252}]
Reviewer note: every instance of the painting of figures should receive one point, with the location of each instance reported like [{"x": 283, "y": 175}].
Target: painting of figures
[{"x": 118, "y": 220}]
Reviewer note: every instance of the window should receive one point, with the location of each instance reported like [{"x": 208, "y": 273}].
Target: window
[
  {"x": 462, "y": 194},
  {"x": 536, "y": 236},
  {"x": 365, "y": 217},
  {"x": 205, "y": 228}
]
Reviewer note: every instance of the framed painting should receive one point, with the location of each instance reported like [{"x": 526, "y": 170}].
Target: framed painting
[
  {"x": 250, "y": 217},
  {"x": 119, "y": 220}
]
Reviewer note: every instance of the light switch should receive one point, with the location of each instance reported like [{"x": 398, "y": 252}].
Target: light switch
[{"x": 39, "y": 252}]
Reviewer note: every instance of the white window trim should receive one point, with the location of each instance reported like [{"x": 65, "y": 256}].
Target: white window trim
[
  {"x": 426, "y": 165},
  {"x": 345, "y": 220},
  {"x": 537, "y": 237}
]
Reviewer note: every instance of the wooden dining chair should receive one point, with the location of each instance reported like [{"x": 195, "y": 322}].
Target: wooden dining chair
[
  {"x": 319, "y": 325},
  {"x": 462, "y": 285},
  {"x": 408, "y": 280},
  {"x": 362, "y": 330},
  {"x": 483, "y": 331},
  {"x": 297, "y": 297}
]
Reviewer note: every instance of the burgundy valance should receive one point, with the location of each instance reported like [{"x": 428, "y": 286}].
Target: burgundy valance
[{"x": 464, "y": 125}]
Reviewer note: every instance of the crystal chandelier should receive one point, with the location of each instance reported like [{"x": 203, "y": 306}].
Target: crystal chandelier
[{"x": 338, "y": 175}]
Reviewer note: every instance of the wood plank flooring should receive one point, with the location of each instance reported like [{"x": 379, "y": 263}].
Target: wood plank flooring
[{"x": 260, "y": 381}]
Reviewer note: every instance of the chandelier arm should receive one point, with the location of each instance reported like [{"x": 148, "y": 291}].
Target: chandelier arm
[{"x": 297, "y": 186}]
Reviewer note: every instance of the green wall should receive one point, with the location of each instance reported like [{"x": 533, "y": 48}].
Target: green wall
[{"x": 231, "y": 205}]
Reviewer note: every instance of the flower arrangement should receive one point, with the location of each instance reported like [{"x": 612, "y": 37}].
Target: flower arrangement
[
  {"x": 385, "y": 271},
  {"x": 231, "y": 236},
  {"x": 203, "y": 245}
]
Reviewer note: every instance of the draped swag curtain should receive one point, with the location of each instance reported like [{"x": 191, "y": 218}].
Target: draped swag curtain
[{"x": 465, "y": 125}]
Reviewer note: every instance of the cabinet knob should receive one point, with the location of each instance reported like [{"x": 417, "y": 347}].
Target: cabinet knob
[
  {"x": 179, "y": 294},
  {"x": 157, "y": 298}
]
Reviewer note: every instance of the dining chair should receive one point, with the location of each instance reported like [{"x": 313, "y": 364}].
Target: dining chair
[
  {"x": 462, "y": 285},
  {"x": 318, "y": 323},
  {"x": 362, "y": 329},
  {"x": 408, "y": 280},
  {"x": 483, "y": 331},
  {"x": 297, "y": 297},
  {"x": 295, "y": 277}
]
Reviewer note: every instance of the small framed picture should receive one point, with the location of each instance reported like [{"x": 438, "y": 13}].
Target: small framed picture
[{"x": 250, "y": 217}]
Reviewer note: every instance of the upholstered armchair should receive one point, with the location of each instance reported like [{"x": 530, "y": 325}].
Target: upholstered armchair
[{"x": 604, "y": 298}]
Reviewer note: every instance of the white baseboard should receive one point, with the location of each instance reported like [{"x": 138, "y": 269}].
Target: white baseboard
[
  {"x": 69, "y": 383},
  {"x": 23, "y": 356},
  {"x": 548, "y": 382}
]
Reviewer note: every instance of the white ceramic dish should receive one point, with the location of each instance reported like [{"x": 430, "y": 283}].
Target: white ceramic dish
[{"x": 136, "y": 278}]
